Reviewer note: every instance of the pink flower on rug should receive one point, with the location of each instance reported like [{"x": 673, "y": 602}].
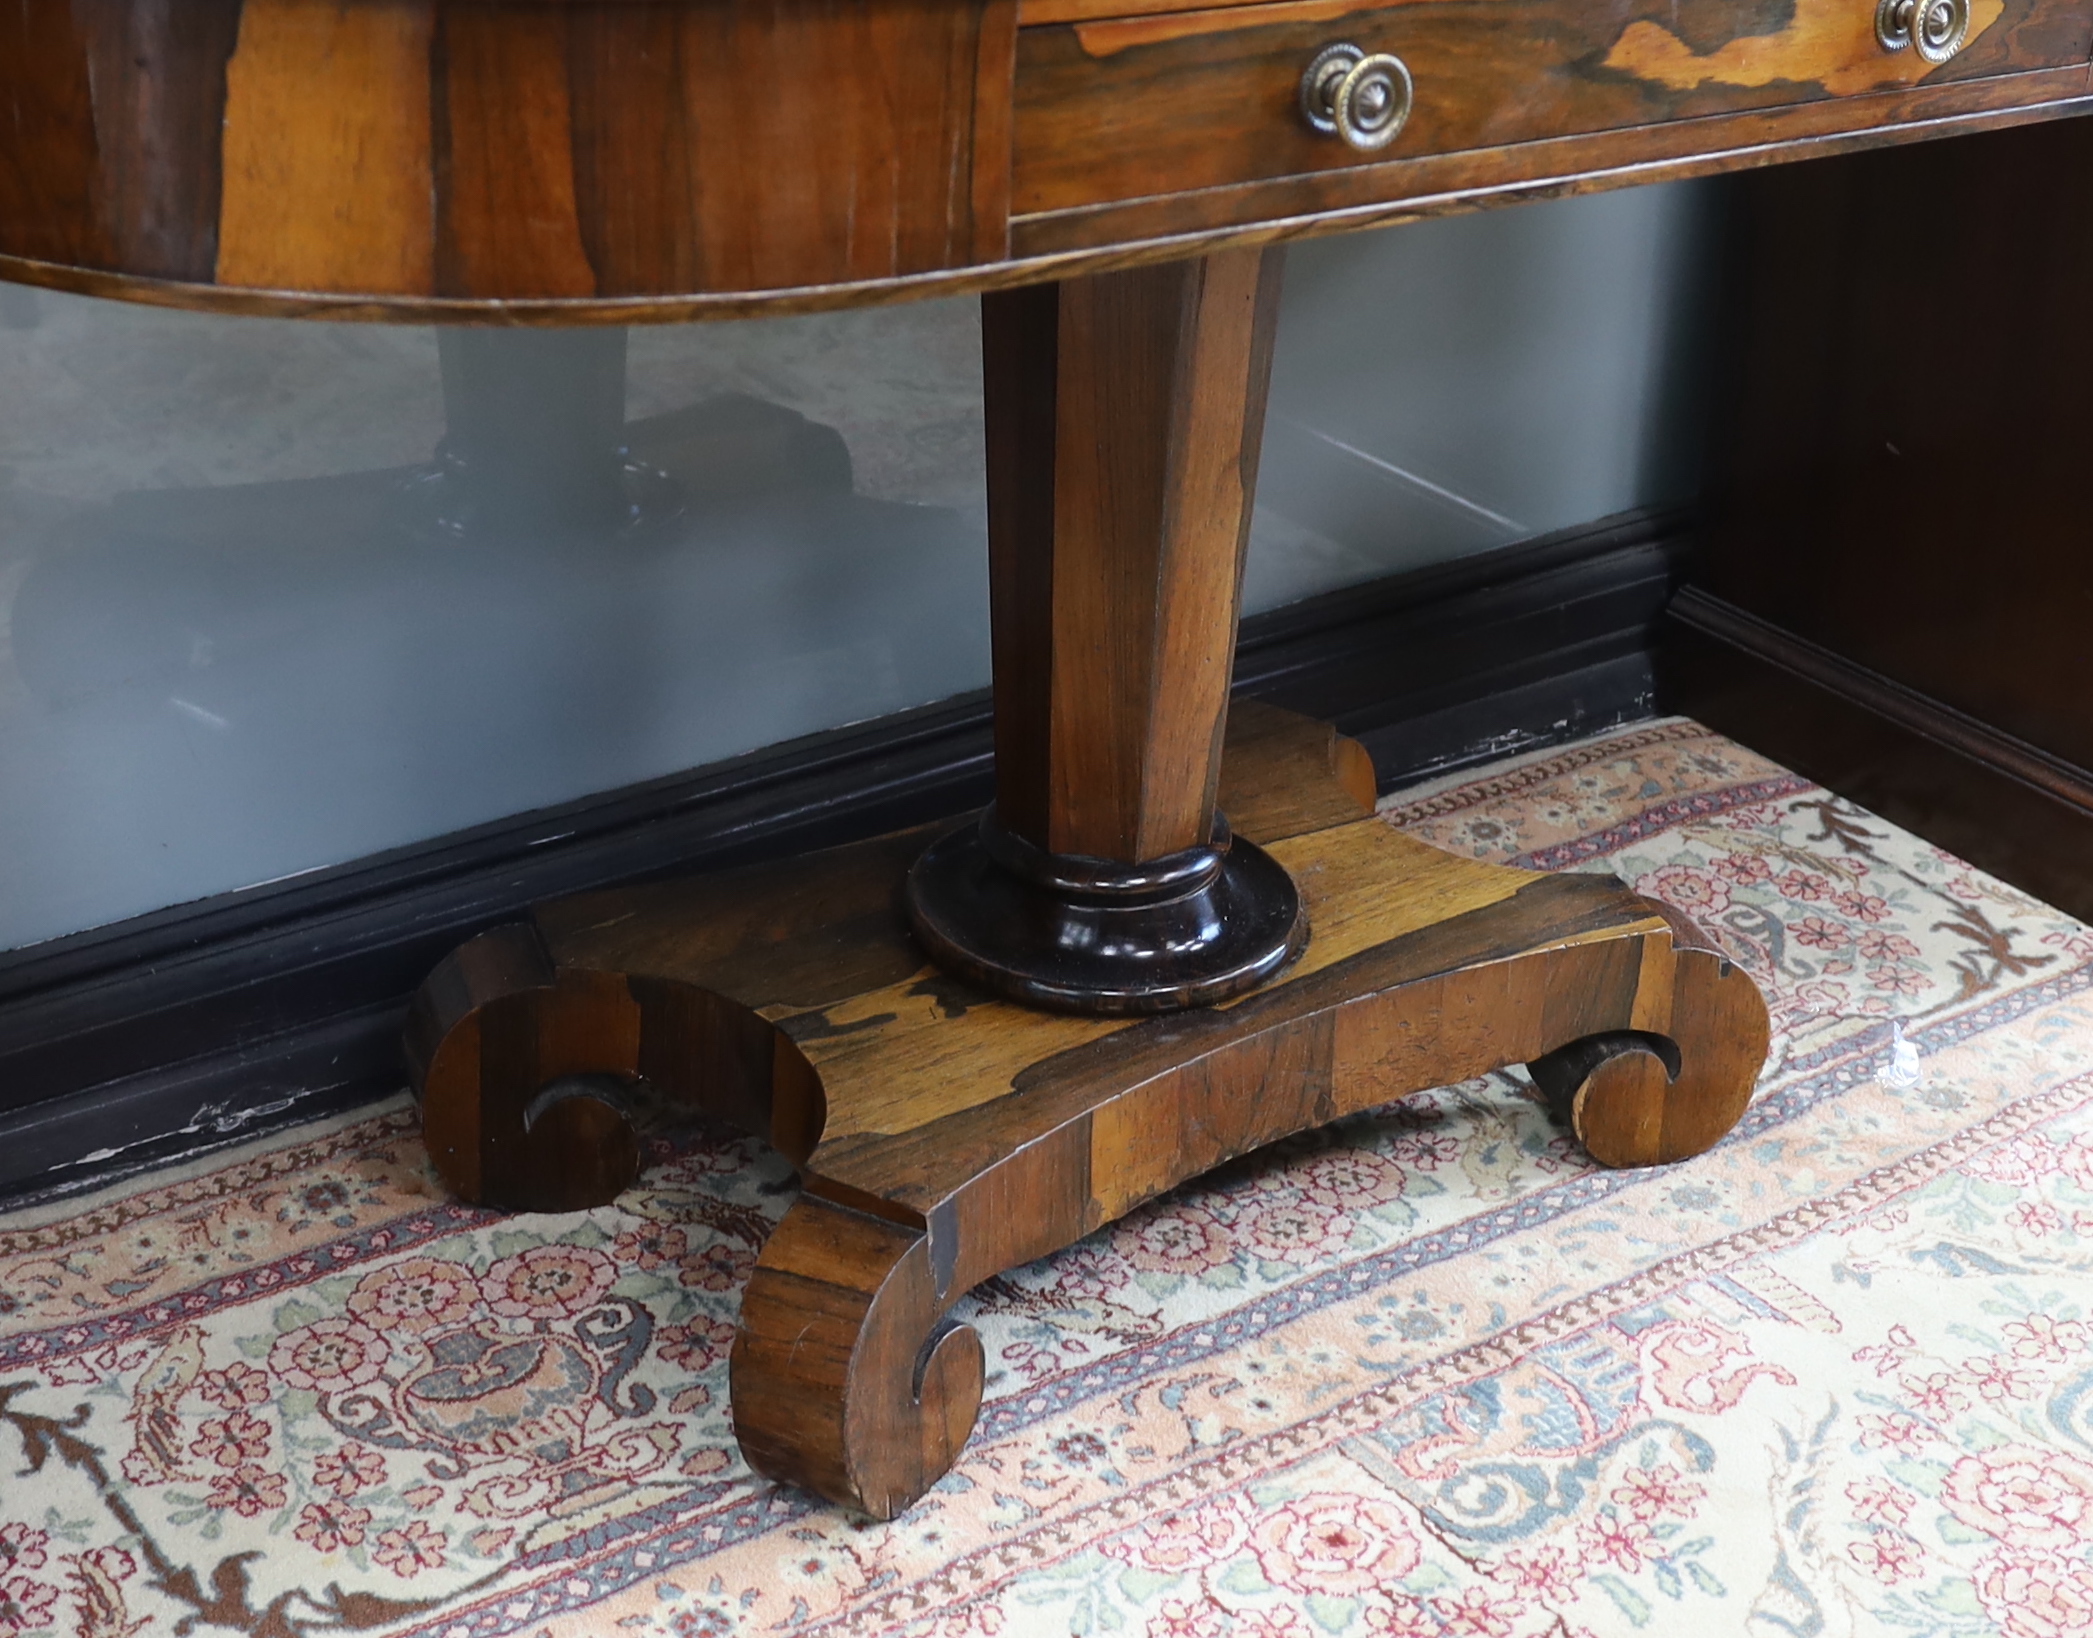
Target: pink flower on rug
[
  {"x": 1691, "y": 890},
  {"x": 1297, "y": 1231},
  {"x": 1999, "y": 1379},
  {"x": 719, "y": 1267},
  {"x": 328, "y": 1527},
  {"x": 2040, "y": 1337},
  {"x": 1745, "y": 869},
  {"x": 235, "y": 1387},
  {"x": 410, "y": 1551},
  {"x": 1266, "y": 1624},
  {"x": 2016, "y": 1163},
  {"x": 1876, "y": 945},
  {"x": 416, "y": 1295},
  {"x": 113, "y": 1562},
  {"x": 1939, "y": 1395},
  {"x": 1335, "y": 1544},
  {"x": 1189, "y": 1539},
  {"x": 1474, "y": 1615},
  {"x": 2075, "y": 1161},
  {"x": 1895, "y": 1431},
  {"x": 1805, "y": 885},
  {"x": 1178, "y": 1619},
  {"x": 1401, "y": 1617},
  {"x": 2035, "y": 1218},
  {"x": 328, "y": 1356},
  {"x": 231, "y": 1440},
  {"x": 1425, "y": 1151},
  {"x": 1820, "y": 934},
  {"x": 23, "y": 1547},
  {"x": 1899, "y": 980},
  {"x": 1889, "y": 1556},
  {"x": 1622, "y": 1542},
  {"x": 1868, "y": 907},
  {"x": 548, "y": 1282},
  {"x": 1877, "y": 1502},
  {"x": 697, "y": 1345},
  {"x": 25, "y": 1605},
  {"x": 2035, "y": 1500},
  {"x": 1658, "y": 1492},
  {"x": 1179, "y": 1239},
  {"x": 650, "y": 1246},
  {"x": 347, "y": 1471},
  {"x": 1821, "y": 997},
  {"x": 249, "y": 1491},
  {"x": 1885, "y": 1357},
  {"x": 1546, "y": 1572},
  {"x": 1350, "y": 1180},
  {"x": 1086, "y": 1273},
  {"x": 2037, "y": 1597}
]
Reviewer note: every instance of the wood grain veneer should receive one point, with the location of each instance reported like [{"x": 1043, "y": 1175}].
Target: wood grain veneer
[
  {"x": 943, "y": 1136},
  {"x": 1135, "y": 106},
  {"x": 622, "y": 160}
]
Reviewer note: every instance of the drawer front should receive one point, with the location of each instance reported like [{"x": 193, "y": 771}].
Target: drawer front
[{"x": 1131, "y": 107}]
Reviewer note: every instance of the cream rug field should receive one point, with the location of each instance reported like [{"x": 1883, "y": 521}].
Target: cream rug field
[{"x": 1428, "y": 1373}]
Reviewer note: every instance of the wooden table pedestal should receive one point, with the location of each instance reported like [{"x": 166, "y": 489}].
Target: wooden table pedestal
[{"x": 1127, "y": 989}]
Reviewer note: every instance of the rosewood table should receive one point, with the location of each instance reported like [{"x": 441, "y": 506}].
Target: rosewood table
[{"x": 1178, "y": 933}]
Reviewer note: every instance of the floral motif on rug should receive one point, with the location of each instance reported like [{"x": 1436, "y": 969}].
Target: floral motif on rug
[{"x": 1428, "y": 1372}]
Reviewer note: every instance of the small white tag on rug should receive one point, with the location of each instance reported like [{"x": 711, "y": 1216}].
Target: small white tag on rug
[{"x": 1902, "y": 1071}]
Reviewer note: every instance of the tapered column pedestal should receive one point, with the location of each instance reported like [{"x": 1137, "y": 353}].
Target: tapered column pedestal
[
  {"x": 934, "y": 1026},
  {"x": 1125, "y": 414}
]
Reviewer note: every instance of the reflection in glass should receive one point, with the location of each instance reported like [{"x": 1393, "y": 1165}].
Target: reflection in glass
[
  {"x": 214, "y": 684},
  {"x": 278, "y": 595}
]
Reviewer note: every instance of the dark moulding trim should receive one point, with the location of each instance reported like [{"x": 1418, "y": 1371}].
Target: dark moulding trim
[
  {"x": 2005, "y": 805},
  {"x": 204, "y": 1024}
]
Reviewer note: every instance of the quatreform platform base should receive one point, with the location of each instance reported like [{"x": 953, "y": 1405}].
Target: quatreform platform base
[{"x": 944, "y": 1135}]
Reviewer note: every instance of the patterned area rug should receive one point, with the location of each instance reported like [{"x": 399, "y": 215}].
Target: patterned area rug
[{"x": 1428, "y": 1373}]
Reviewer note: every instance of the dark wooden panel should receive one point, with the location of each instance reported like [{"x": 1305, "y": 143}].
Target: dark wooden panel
[
  {"x": 2004, "y": 805},
  {"x": 1904, "y": 478},
  {"x": 158, "y": 74},
  {"x": 1131, "y": 107},
  {"x": 48, "y": 162},
  {"x": 112, "y": 113}
]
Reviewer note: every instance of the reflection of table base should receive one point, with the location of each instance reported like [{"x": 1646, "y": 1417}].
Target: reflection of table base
[{"x": 943, "y": 1137}]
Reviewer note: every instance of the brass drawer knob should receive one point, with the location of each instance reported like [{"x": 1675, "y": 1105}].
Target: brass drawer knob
[
  {"x": 1937, "y": 28},
  {"x": 1363, "y": 99}
]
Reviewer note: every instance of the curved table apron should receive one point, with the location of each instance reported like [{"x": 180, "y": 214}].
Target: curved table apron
[{"x": 1178, "y": 933}]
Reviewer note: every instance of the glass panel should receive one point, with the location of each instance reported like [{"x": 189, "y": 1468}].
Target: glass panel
[{"x": 277, "y": 595}]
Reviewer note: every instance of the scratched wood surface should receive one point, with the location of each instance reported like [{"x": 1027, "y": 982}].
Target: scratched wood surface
[
  {"x": 621, "y": 160},
  {"x": 943, "y": 1136}
]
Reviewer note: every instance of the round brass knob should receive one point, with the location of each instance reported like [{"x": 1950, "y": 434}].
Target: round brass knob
[
  {"x": 1363, "y": 99},
  {"x": 1937, "y": 27}
]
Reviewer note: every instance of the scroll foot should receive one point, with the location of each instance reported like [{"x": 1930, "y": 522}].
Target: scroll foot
[
  {"x": 845, "y": 1377},
  {"x": 1648, "y": 1098},
  {"x": 527, "y": 1076}
]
